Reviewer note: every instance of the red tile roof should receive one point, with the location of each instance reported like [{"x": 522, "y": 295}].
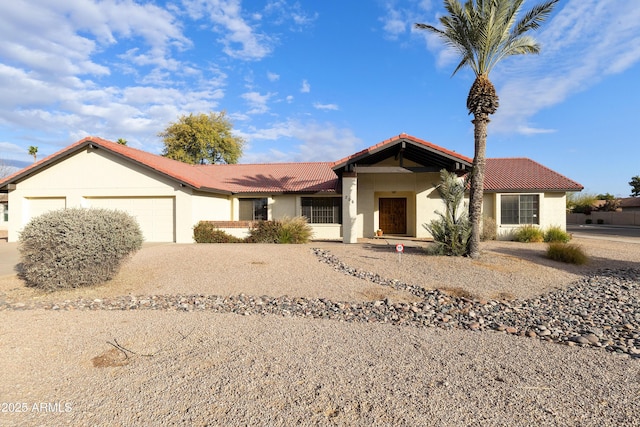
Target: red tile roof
[
  {"x": 516, "y": 174},
  {"x": 240, "y": 178},
  {"x": 522, "y": 174}
]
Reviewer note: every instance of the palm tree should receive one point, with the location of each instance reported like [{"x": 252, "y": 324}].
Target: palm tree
[
  {"x": 33, "y": 151},
  {"x": 484, "y": 32}
]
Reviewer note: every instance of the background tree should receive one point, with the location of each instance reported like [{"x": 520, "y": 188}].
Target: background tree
[
  {"x": 202, "y": 139},
  {"x": 122, "y": 141},
  {"x": 484, "y": 32},
  {"x": 33, "y": 151},
  {"x": 635, "y": 186}
]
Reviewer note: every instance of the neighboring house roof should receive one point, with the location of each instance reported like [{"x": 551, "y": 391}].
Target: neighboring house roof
[
  {"x": 508, "y": 175},
  {"x": 630, "y": 202},
  {"x": 522, "y": 174}
]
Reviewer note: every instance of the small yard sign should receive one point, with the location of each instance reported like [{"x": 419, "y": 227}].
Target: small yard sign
[{"x": 399, "y": 249}]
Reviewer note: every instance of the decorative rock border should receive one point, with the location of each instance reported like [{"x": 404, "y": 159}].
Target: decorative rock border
[{"x": 599, "y": 311}]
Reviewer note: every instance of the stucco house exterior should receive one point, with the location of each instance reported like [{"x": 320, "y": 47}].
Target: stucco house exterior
[{"x": 389, "y": 186}]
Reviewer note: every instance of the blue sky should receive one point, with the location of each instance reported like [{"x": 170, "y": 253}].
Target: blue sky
[{"x": 315, "y": 81}]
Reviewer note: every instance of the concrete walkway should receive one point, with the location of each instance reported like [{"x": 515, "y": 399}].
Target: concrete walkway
[{"x": 9, "y": 257}]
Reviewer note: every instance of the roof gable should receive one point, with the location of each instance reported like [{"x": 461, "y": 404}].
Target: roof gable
[{"x": 408, "y": 147}]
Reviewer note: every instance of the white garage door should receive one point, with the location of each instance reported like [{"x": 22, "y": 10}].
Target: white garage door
[
  {"x": 154, "y": 214},
  {"x": 40, "y": 205}
]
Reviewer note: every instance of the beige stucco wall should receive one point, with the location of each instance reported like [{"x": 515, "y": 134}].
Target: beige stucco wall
[
  {"x": 552, "y": 213},
  {"x": 210, "y": 207},
  {"x": 417, "y": 188},
  {"x": 97, "y": 173}
]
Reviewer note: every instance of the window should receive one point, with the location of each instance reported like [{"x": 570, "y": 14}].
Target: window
[
  {"x": 253, "y": 209},
  {"x": 322, "y": 210},
  {"x": 4, "y": 210},
  {"x": 520, "y": 209}
]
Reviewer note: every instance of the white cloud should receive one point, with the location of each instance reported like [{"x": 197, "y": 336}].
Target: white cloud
[
  {"x": 325, "y": 107},
  {"x": 312, "y": 141},
  {"x": 583, "y": 42},
  {"x": 273, "y": 77},
  {"x": 257, "y": 102},
  {"x": 398, "y": 20},
  {"x": 239, "y": 38},
  {"x": 306, "y": 87}
]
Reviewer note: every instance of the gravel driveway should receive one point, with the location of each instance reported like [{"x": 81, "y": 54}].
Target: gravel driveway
[{"x": 80, "y": 358}]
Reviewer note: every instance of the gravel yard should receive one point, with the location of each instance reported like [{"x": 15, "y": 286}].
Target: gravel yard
[{"x": 343, "y": 335}]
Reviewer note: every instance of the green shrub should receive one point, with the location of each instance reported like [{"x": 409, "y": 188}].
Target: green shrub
[
  {"x": 556, "y": 234},
  {"x": 76, "y": 247},
  {"x": 265, "y": 232},
  {"x": 452, "y": 230},
  {"x": 588, "y": 221},
  {"x": 207, "y": 232},
  {"x": 566, "y": 252},
  {"x": 295, "y": 230},
  {"x": 287, "y": 230},
  {"x": 528, "y": 234},
  {"x": 489, "y": 229}
]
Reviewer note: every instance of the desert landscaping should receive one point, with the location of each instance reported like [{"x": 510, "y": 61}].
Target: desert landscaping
[{"x": 330, "y": 334}]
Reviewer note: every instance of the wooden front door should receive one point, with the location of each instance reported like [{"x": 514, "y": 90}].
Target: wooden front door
[{"x": 393, "y": 215}]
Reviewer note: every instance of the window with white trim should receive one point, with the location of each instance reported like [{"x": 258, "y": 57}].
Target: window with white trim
[
  {"x": 322, "y": 210},
  {"x": 520, "y": 209},
  {"x": 253, "y": 209}
]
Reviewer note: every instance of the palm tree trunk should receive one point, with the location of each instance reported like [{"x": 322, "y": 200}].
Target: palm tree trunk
[{"x": 476, "y": 189}]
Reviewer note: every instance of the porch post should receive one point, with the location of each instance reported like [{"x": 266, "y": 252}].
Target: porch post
[{"x": 349, "y": 207}]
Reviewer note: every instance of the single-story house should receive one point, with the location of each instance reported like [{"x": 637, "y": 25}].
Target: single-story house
[
  {"x": 389, "y": 186},
  {"x": 630, "y": 204}
]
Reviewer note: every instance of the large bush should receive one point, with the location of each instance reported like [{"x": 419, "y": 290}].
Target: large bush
[{"x": 76, "y": 247}]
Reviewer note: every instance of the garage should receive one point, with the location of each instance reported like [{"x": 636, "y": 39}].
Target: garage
[
  {"x": 156, "y": 215},
  {"x": 36, "y": 206}
]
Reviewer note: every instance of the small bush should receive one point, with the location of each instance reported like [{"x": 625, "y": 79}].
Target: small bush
[
  {"x": 588, "y": 221},
  {"x": 265, "y": 232},
  {"x": 76, "y": 247},
  {"x": 600, "y": 221},
  {"x": 287, "y": 230},
  {"x": 489, "y": 229},
  {"x": 206, "y": 232},
  {"x": 295, "y": 230},
  {"x": 566, "y": 252},
  {"x": 556, "y": 234},
  {"x": 528, "y": 234}
]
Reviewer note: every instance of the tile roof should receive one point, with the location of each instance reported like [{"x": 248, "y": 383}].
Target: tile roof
[
  {"x": 514, "y": 174},
  {"x": 522, "y": 174},
  {"x": 239, "y": 178}
]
